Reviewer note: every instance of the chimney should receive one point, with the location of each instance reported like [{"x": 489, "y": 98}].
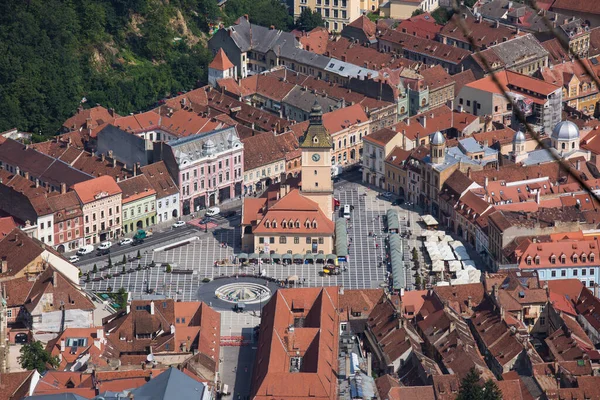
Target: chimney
[
  {"x": 341, "y": 290},
  {"x": 63, "y": 188},
  {"x": 63, "y": 345},
  {"x": 172, "y": 329},
  {"x": 4, "y": 267},
  {"x": 347, "y": 366},
  {"x": 578, "y": 165},
  {"x": 502, "y": 316},
  {"x": 54, "y": 278},
  {"x": 110, "y": 154},
  {"x": 37, "y": 183},
  {"x": 27, "y": 174},
  {"x": 134, "y": 169},
  {"x": 128, "y": 308},
  {"x": 537, "y": 196},
  {"x": 369, "y": 362},
  {"x": 485, "y": 182},
  {"x": 469, "y": 303},
  {"x": 17, "y": 171},
  {"x": 152, "y": 308},
  {"x": 102, "y": 157},
  {"x": 114, "y": 163},
  {"x": 424, "y": 121},
  {"x": 100, "y": 333}
]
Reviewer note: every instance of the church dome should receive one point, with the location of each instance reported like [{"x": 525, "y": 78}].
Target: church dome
[
  {"x": 438, "y": 139},
  {"x": 519, "y": 137},
  {"x": 565, "y": 130}
]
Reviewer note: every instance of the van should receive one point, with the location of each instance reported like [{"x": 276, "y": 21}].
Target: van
[
  {"x": 347, "y": 211},
  {"x": 87, "y": 249}
]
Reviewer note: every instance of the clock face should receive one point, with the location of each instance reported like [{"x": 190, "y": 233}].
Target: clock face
[{"x": 316, "y": 157}]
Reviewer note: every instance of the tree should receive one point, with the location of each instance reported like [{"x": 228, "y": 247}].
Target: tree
[
  {"x": 168, "y": 269},
  {"x": 34, "y": 356},
  {"x": 418, "y": 281},
  {"x": 418, "y": 11},
  {"x": 442, "y": 16},
  {"x": 123, "y": 269},
  {"x": 124, "y": 260},
  {"x": 109, "y": 261},
  {"x": 469, "y": 387},
  {"x": 95, "y": 269},
  {"x": 415, "y": 254},
  {"x": 139, "y": 255},
  {"x": 491, "y": 391},
  {"x": 260, "y": 12},
  {"x": 309, "y": 20}
]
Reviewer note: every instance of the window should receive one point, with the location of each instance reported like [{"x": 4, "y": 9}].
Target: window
[
  {"x": 583, "y": 271},
  {"x": 282, "y": 240},
  {"x": 563, "y": 273},
  {"x": 271, "y": 240},
  {"x": 574, "y": 272},
  {"x": 296, "y": 240},
  {"x": 321, "y": 240},
  {"x": 42, "y": 224},
  {"x": 261, "y": 240},
  {"x": 542, "y": 321}
]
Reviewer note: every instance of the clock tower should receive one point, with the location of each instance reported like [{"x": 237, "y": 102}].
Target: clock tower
[{"x": 316, "y": 163}]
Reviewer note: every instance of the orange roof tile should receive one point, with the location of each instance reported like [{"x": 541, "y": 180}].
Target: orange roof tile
[
  {"x": 512, "y": 81},
  {"x": 221, "y": 61},
  {"x": 343, "y": 118},
  {"x": 88, "y": 191}
]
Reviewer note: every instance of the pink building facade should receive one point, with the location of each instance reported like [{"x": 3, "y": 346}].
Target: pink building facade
[{"x": 207, "y": 168}]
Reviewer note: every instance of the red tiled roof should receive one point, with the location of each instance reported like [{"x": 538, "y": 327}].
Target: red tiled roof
[
  {"x": 436, "y": 77},
  {"x": 316, "y": 341},
  {"x": 381, "y": 137},
  {"x": 88, "y": 190},
  {"x": 136, "y": 188},
  {"x": 7, "y": 224},
  {"x": 221, "y": 61},
  {"x": 90, "y": 118},
  {"x": 585, "y": 7},
  {"x": 428, "y": 47},
  {"x": 512, "y": 81},
  {"x": 485, "y": 33},
  {"x": 556, "y": 53},
  {"x": 422, "y": 25},
  {"x": 160, "y": 179},
  {"x": 315, "y": 40},
  {"x": 364, "y": 24},
  {"x": 344, "y": 118},
  {"x": 15, "y": 385}
]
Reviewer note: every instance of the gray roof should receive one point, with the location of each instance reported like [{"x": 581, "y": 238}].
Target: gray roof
[
  {"x": 304, "y": 99},
  {"x": 538, "y": 157},
  {"x": 519, "y": 137},
  {"x": 471, "y": 145},
  {"x": 565, "y": 130},
  {"x": 346, "y": 69},
  {"x": 203, "y": 145},
  {"x": 498, "y": 10},
  {"x": 455, "y": 155},
  {"x": 438, "y": 138},
  {"x": 171, "y": 384},
  {"x": 284, "y": 44},
  {"x": 520, "y": 48},
  {"x": 60, "y": 396}
]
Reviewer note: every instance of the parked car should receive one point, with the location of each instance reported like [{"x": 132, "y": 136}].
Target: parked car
[
  {"x": 125, "y": 241},
  {"x": 228, "y": 214},
  {"x": 21, "y": 338},
  {"x": 205, "y": 220},
  {"x": 102, "y": 252},
  {"x": 398, "y": 202},
  {"x": 87, "y": 249},
  {"x": 105, "y": 245},
  {"x": 211, "y": 212},
  {"x": 73, "y": 259},
  {"x": 387, "y": 195},
  {"x": 178, "y": 224}
]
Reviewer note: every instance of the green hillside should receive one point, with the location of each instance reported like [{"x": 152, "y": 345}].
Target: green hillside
[{"x": 125, "y": 54}]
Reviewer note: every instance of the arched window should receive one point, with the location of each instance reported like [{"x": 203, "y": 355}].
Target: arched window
[
  {"x": 283, "y": 224},
  {"x": 528, "y": 260},
  {"x": 552, "y": 259},
  {"x": 423, "y": 102},
  {"x": 564, "y": 146},
  {"x": 537, "y": 260},
  {"x": 592, "y": 257},
  {"x": 274, "y": 224},
  {"x": 402, "y": 110},
  {"x": 563, "y": 258},
  {"x": 583, "y": 258},
  {"x": 314, "y": 224},
  {"x": 267, "y": 224},
  {"x": 307, "y": 224},
  {"x": 297, "y": 224},
  {"x": 575, "y": 258}
]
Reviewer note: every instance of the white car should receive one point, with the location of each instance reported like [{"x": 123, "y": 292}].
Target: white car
[
  {"x": 87, "y": 249},
  {"x": 105, "y": 245},
  {"x": 387, "y": 195},
  {"x": 178, "y": 224},
  {"x": 125, "y": 241},
  {"x": 211, "y": 212},
  {"x": 73, "y": 259}
]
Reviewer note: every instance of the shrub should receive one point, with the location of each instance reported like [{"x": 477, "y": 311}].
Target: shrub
[
  {"x": 95, "y": 269},
  {"x": 124, "y": 261},
  {"x": 206, "y": 280},
  {"x": 168, "y": 269},
  {"x": 123, "y": 270},
  {"x": 139, "y": 255},
  {"x": 109, "y": 289}
]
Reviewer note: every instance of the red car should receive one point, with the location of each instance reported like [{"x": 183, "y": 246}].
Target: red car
[{"x": 336, "y": 203}]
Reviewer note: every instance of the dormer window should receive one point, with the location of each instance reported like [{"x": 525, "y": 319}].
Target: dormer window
[
  {"x": 592, "y": 257},
  {"x": 563, "y": 258},
  {"x": 274, "y": 224},
  {"x": 315, "y": 139},
  {"x": 552, "y": 259},
  {"x": 297, "y": 224},
  {"x": 583, "y": 258},
  {"x": 537, "y": 260},
  {"x": 528, "y": 260},
  {"x": 267, "y": 224},
  {"x": 314, "y": 224},
  {"x": 575, "y": 258},
  {"x": 283, "y": 224}
]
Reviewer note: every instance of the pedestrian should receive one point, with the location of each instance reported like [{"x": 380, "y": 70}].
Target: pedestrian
[{"x": 376, "y": 245}]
